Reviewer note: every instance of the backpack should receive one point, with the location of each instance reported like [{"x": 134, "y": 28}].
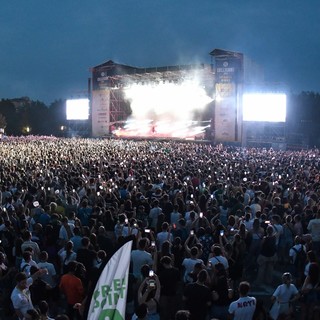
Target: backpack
[{"x": 300, "y": 261}]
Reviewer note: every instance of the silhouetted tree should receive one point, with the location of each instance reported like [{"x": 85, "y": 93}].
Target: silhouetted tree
[
  {"x": 57, "y": 113},
  {"x": 8, "y": 110},
  {"x": 3, "y": 121}
]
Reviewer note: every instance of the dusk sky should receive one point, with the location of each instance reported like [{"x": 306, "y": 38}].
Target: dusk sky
[{"x": 48, "y": 47}]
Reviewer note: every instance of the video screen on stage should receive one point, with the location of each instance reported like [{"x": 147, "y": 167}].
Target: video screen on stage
[
  {"x": 77, "y": 109},
  {"x": 266, "y": 107}
]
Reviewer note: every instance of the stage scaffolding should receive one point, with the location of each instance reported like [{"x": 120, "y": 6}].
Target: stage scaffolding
[
  {"x": 264, "y": 135},
  {"x": 109, "y": 80},
  {"x": 117, "y": 110}
]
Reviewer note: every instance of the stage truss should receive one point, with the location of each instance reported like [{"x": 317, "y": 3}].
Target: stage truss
[
  {"x": 116, "y": 77},
  {"x": 265, "y": 135}
]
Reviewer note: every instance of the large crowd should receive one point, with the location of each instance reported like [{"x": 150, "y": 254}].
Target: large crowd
[{"x": 208, "y": 222}]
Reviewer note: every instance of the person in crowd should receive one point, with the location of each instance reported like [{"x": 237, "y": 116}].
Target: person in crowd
[
  {"x": 27, "y": 262},
  {"x": 169, "y": 278},
  {"x": 285, "y": 295},
  {"x": 154, "y": 214},
  {"x": 311, "y": 292},
  {"x": 183, "y": 315},
  {"x": 50, "y": 277},
  {"x": 197, "y": 297},
  {"x": 6, "y": 276},
  {"x": 298, "y": 257},
  {"x": 141, "y": 312},
  {"x": 76, "y": 239},
  {"x": 257, "y": 234},
  {"x": 217, "y": 257},
  {"x": 314, "y": 229},
  {"x": 28, "y": 243},
  {"x": 39, "y": 289},
  {"x": 86, "y": 255},
  {"x": 71, "y": 286},
  {"x": 267, "y": 257},
  {"x": 20, "y": 296},
  {"x": 44, "y": 310},
  {"x": 221, "y": 292},
  {"x": 245, "y": 306},
  {"x": 32, "y": 314},
  {"x": 141, "y": 257},
  {"x": 287, "y": 240},
  {"x": 189, "y": 263},
  {"x": 164, "y": 235},
  {"x": 65, "y": 232},
  {"x": 149, "y": 294},
  {"x": 104, "y": 241}
]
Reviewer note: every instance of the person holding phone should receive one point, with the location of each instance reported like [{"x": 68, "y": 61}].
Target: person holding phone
[
  {"x": 164, "y": 235},
  {"x": 141, "y": 257},
  {"x": 189, "y": 263},
  {"x": 217, "y": 257},
  {"x": 149, "y": 294}
]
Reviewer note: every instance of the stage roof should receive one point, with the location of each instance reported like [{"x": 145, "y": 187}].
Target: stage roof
[
  {"x": 114, "y": 72},
  {"x": 225, "y": 53}
]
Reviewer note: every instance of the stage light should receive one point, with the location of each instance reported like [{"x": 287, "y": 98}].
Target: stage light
[
  {"x": 266, "y": 107},
  {"x": 77, "y": 109},
  {"x": 166, "y": 109}
]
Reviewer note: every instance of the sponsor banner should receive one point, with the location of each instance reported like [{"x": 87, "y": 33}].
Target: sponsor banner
[
  {"x": 100, "y": 112},
  {"x": 100, "y": 80},
  {"x": 228, "y": 70},
  {"x": 226, "y": 113},
  {"x": 109, "y": 297}
]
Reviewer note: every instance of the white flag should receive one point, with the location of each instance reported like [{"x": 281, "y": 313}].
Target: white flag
[{"x": 109, "y": 297}]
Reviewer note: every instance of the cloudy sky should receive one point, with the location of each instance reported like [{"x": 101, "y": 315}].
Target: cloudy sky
[{"x": 47, "y": 47}]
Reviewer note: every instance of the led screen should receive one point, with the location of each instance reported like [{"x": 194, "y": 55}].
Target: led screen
[
  {"x": 269, "y": 107},
  {"x": 77, "y": 109}
]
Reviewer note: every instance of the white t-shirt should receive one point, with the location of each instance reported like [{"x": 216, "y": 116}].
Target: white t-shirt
[
  {"x": 26, "y": 266},
  {"x": 248, "y": 224},
  {"x": 187, "y": 216},
  {"x": 153, "y": 215},
  {"x": 121, "y": 230},
  {"x": 189, "y": 264},
  {"x": 219, "y": 259},
  {"x": 174, "y": 217},
  {"x": 293, "y": 253},
  {"x": 21, "y": 300},
  {"x": 138, "y": 259},
  {"x": 283, "y": 294},
  {"x": 49, "y": 277},
  {"x": 162, "y": 237},
  {"x": 278, "y": 229},
  {"x": 243, "y": 308},
  {"x": 314, "y": 228},
  {"x": 63, "y": 234},
  {"x": 255, "y": 207},
  {"x": 63, "y": 256}
]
